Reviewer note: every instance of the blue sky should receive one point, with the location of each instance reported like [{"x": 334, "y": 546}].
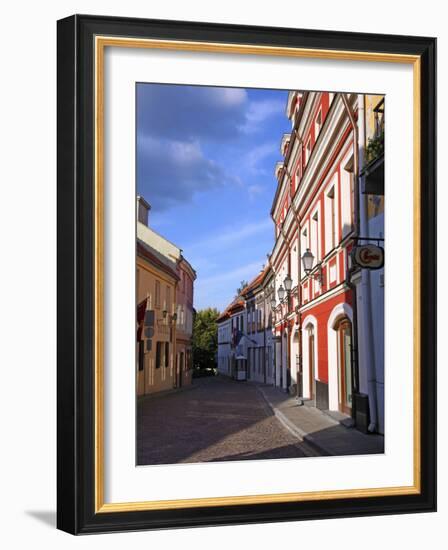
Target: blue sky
[{"x": 205, "y": 163}]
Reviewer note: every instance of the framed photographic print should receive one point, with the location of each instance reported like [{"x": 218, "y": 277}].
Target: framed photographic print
[{"x": 246, "y": 267}]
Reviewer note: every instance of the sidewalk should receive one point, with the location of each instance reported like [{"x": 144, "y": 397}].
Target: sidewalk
[{"x": 319, "y": 430}]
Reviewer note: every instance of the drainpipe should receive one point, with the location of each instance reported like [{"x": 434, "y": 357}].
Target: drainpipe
[
  {"x": 288, "y": 243},
  {"x": 274, "y": 350},
  {"x": 299, "y": 286},
  {"x": 362, "y": 228}
]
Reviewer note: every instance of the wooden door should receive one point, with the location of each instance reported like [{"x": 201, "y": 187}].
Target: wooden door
[
  {"x": 345, "y": 366},
  {"x": 312, "y": 363}
]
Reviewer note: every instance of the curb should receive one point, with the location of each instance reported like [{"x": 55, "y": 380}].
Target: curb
[{"x": 295, "y": 430}]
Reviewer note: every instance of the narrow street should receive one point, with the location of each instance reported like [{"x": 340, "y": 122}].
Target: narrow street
[{"x": 216, "y": 419}]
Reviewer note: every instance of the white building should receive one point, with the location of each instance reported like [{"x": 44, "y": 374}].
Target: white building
[
  {"x": 258, "y": 295},
  {"x": 224, "y": 341},
  {"x": 248, "y": 353}
]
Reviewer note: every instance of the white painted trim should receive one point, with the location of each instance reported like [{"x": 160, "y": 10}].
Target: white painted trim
[
  {"x": 338, "y": 311},
  {"x": 329, "y": 294},
  {"x": 309, "y": 320}
]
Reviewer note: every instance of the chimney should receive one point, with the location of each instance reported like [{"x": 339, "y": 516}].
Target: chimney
[{"x": 143, "y": 209}]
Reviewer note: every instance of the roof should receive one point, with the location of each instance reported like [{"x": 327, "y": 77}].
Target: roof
[
  {"x": 236, "y": 306},
  {"x": 224, "y": 315},
  {"x": 186, "y": 264},
  {"x": 145, "y": 252},
  {"x": 256, "y": 281},
  {"x": 233, "y": 307}
]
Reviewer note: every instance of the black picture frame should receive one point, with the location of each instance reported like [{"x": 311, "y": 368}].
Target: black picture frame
[{"x": 76, "y": 272}]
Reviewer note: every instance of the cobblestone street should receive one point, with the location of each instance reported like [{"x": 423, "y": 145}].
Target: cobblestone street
[{"x": 214, "y": 420}]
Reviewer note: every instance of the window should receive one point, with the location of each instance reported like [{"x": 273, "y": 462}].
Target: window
[
  {"x": 331, "y": 219},
  {"x": 298, "y": 173},
  {"x": 167, "y": 354},
  {"x": 347, "y": 197},
  {"x": 168, "y": 299},
  {"x": 318, "y": 124},
  {"x": 159, "y": 355},
  {"x": 157, "y": 295},
  {"x": 304, "y": 245},
  {"x": 308, "y": 151},
  {"x": 315, "y": 236}
]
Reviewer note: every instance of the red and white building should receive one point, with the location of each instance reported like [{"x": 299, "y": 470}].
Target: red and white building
[{"x": 313, "y": 212}]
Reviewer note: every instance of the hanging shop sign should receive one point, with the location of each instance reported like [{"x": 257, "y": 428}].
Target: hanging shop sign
[{"x": 368, "y": 256}]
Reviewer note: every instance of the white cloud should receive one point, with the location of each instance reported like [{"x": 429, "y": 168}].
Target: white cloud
[
  {"x": 247, "y": 271},
  {"x": 220, "y": 289},
  {"x": 228, "y": 97},
  {"x": 231, "y": 235},
  {"x": 256, "y": 155},
  {"x": 259, "y": 111},
  {"x": 255, "y": 190}
]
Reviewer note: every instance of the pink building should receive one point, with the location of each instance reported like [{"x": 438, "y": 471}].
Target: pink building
[{"x": 184, "y": 322}]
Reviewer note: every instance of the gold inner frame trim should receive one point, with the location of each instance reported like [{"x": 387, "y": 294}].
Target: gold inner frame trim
[{"x": 101, "y": 42}]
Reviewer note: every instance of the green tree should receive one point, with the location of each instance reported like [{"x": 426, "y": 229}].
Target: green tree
[
  {"x": 242, "y": 286},
  {"x": 205, "y": 338}
]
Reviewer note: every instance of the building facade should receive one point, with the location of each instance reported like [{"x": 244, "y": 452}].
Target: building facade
[
  {"x": 245, "y": 337},
  {"x": 313, "y": 214},
  {"x": 156, "y": 290},
  {"x": 369, "y": 284},
  {"x": 184, "y": 322},
  {"x": 165, "y": 289},
  {"x": 258, "y": 295},
  {"x": 224, "y": 344}
]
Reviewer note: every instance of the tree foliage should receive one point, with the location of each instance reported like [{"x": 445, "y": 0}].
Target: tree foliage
[
  {"x": 205, "y": 338},
  {"x": 242, "y": 286}
]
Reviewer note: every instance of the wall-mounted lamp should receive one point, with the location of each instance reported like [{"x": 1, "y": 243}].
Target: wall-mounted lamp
[
  {"x": 281, "y": 293},
  {"x": 288, "y": 283},
  {"x": 308, "y": 261}
]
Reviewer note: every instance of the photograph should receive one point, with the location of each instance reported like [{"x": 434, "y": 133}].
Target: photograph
[
  {"x": 260, "y": 273},
  {"x": 228, "y": 349}
]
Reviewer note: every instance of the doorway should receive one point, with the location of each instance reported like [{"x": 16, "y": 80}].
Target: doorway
[
  {"x": 312, "y": 362},
  {"x": 345, "y": 378},
  {"x": 181, "y": 368}
]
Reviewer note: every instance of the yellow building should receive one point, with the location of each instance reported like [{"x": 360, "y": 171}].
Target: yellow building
[
  {"x": 156, "y": 322},
  {"x": 374, "y": 154},
  {"x": 156, "y": 283}
]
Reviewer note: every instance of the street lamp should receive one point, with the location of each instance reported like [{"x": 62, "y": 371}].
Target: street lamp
[
  {"x": 273, "y": 303},
  {"x": 307, "y": 260},
  {"x": 288, "y": 283},
  {"x": 281, "y": 293}
]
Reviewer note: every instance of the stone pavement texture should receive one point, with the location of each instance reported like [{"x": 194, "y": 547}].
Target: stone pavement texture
[
  {"x": 216, "y": 420},
  {"x": 319, "y": 430}
]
